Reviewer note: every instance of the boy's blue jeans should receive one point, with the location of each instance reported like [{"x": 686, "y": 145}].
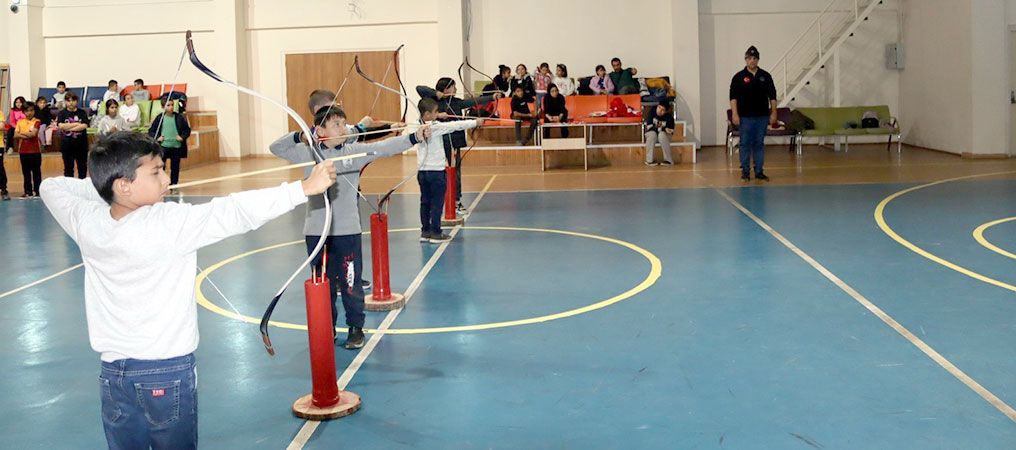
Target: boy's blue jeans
[{"x": 150, "y": 403}]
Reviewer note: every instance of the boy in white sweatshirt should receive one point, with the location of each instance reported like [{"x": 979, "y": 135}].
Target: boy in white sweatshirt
[
  {"x": 140, "y": 257},
  {"x": 430, "y": 158}
]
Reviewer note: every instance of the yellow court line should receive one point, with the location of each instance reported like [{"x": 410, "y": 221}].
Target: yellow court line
[
  {"x": 880, "y": 220},
  {"x": 15, "y": 291},
  {"x": 654, "y": 274},
  {"x": 979, "y": 237}
]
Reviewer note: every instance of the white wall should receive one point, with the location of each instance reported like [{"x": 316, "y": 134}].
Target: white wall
[
  {"x": 5, "y": 50},
  {"x": 728, "y": 27},
  {"x": 989, "y": 77},
  {"x": 578, "y": 33},
  {"x": 936, "y": 87}
]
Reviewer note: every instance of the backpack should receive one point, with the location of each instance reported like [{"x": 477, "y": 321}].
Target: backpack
[{"x": 869, "y": 120}]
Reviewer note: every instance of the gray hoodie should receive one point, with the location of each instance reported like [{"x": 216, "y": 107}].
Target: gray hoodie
[{"x": 345, "y": 213}]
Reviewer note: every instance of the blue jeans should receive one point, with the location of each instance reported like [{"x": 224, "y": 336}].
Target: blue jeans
[
  {"x": 345, "y": 262},
  {"x": 150, "y": 403},
  {"x": 433, "y": 184},
  {"x": 753, "y": 133}
]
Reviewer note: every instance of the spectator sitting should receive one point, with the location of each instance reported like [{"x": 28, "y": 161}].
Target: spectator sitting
[
  {"x": 139, "y": 93},
  {"x": 659, "y": 127},
  {"x": 523, "y": 80},
  {"x": 46, "y": 119},
  {"x": 521, "y": 113},
  {"x": 502, "y": 81},
  {"x": 623, "y": 80},
  {"x": 567, "y": 86},
  {"x": 601, "y": 84},
  {"x": 130, "y": 112},
  {"x": 58, "y": 97},
  {"x": 554, "y": 111},
  {"x": 113, "y": 92},
  {"x": 112, "y": 122}
]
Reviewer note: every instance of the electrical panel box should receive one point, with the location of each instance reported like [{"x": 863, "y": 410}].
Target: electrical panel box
[{"x": 894, "y": 56}]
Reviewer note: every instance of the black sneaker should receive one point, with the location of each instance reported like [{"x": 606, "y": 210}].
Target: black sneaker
[
  {"x": 761, "y": 176},
  {"x": 354, "y": 338},
  {"x": 439, "y": 238},
  {"x": 650, "y": 164},
  {"x": 425, "y": 237},
  {"x": 459, "y": 208},
  {"x": 5, "y": 196},
  {"x": 366, "y": 284},
  {"x": 745, "y": 176},
  {"x": 667, "y": 163}
]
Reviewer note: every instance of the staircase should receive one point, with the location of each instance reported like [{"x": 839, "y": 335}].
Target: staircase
[{"x": 813, "y": 48}]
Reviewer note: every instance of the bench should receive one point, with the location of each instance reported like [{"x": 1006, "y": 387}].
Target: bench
[
  {"x": 832, "y": 122},
  {"x": 782, "y": 115}
]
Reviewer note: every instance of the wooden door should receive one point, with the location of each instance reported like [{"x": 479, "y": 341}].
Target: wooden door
[{"x": 306, "y": 72}]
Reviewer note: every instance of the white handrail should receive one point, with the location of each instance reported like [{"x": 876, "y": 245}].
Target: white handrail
[{"x": 803, "y": 33}]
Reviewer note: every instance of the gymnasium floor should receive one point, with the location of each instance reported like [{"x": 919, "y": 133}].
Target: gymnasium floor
[{"x": 852, "y": 303}]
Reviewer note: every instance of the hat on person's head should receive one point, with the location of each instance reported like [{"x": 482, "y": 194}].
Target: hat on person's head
[{"x": 752, "y": 51}]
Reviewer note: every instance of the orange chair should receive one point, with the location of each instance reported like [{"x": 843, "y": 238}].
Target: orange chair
[
  {"x": 154, "y": 91},
  {"x": 581, "y": 106},
  {"x": 504, "y": 113},
  {"x": 178, "y": 87},
  {"x": 633, "y": 101}
]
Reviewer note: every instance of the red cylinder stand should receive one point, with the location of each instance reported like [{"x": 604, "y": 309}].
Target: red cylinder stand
[
  {"x": 326, "y": 401},
  {"x": 449, "y": 199},
  {"x": 382, "y": 298}
]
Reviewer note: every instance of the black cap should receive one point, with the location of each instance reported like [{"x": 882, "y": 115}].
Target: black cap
[{"x": 752, "y": 51}]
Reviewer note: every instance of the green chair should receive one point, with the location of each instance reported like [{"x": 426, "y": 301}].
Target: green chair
[{"x": 145, "y": 109}]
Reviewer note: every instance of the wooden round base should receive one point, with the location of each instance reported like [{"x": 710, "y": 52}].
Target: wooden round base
[
  {"x": 397, "y": 301},
  {"x": 348, "y": 403},
  {"x": 453, "y": 222}
]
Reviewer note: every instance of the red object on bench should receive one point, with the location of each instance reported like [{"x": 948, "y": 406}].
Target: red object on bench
[{"x": 633, "y": 101}]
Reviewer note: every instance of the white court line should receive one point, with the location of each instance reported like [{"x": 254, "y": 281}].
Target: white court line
[
  {"x": 903, "y": 331},
  {"x": 310, "y": 426},
  {"x": 15, "y": 291}
]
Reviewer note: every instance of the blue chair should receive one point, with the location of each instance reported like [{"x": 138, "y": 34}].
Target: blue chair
[
  {"x": 46, "y": 92},
  {"x": 93, "y": 93}
]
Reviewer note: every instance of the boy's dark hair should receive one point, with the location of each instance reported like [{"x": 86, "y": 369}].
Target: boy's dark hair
[
  {"x": 61, "y": 83},
  {"x": 111, "y": 102},
  {"x": 71, "y": 95},
  {"x": 29, "y": 106},
  {"x": 319, "y": 97},
  {"x": 518, "y": 87},
  {"x": 139, "y": 81},
  {"x": 118, "y": 155},
  {"x": 427, "y": 104},
  {"x": 42, "y": 98},
  {"x": 112, "y": 82},
  {"x": 615, "y": 59},
  {"x": 564, "y": 69},
  {"x": 444, "y": 83},
  {"x": 600, "y": 66},
  {"x": 323, "y": 115}
]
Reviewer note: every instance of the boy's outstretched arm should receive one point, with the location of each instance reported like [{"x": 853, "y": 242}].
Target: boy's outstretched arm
[{"x": 196, "y": 226}]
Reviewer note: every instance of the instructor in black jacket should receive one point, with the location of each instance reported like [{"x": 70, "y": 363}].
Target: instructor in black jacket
[{"x": 753, "y": 107}]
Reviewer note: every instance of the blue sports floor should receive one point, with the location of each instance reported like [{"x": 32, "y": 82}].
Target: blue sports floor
[{"x": 658, "y": 319}]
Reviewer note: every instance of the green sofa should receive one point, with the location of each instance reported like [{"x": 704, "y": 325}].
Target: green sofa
[{"x": 832, "y": 121}]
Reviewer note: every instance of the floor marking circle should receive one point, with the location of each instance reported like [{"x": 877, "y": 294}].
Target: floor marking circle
[
  {"x": 979, "y": 237},
  {"x": 656, "y": 268},
  {"x": 880, "y": 220}
]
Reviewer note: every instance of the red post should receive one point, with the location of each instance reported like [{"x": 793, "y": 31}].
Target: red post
[
  {"x": 379, "y": 256},
  {"x": 322, "y": 351},
  {"x": 449, "y": 198}
]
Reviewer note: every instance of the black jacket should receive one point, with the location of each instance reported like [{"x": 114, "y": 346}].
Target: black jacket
[
  {"x": 456, "y": 107},
  {"x": 182, "y": 128}
]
